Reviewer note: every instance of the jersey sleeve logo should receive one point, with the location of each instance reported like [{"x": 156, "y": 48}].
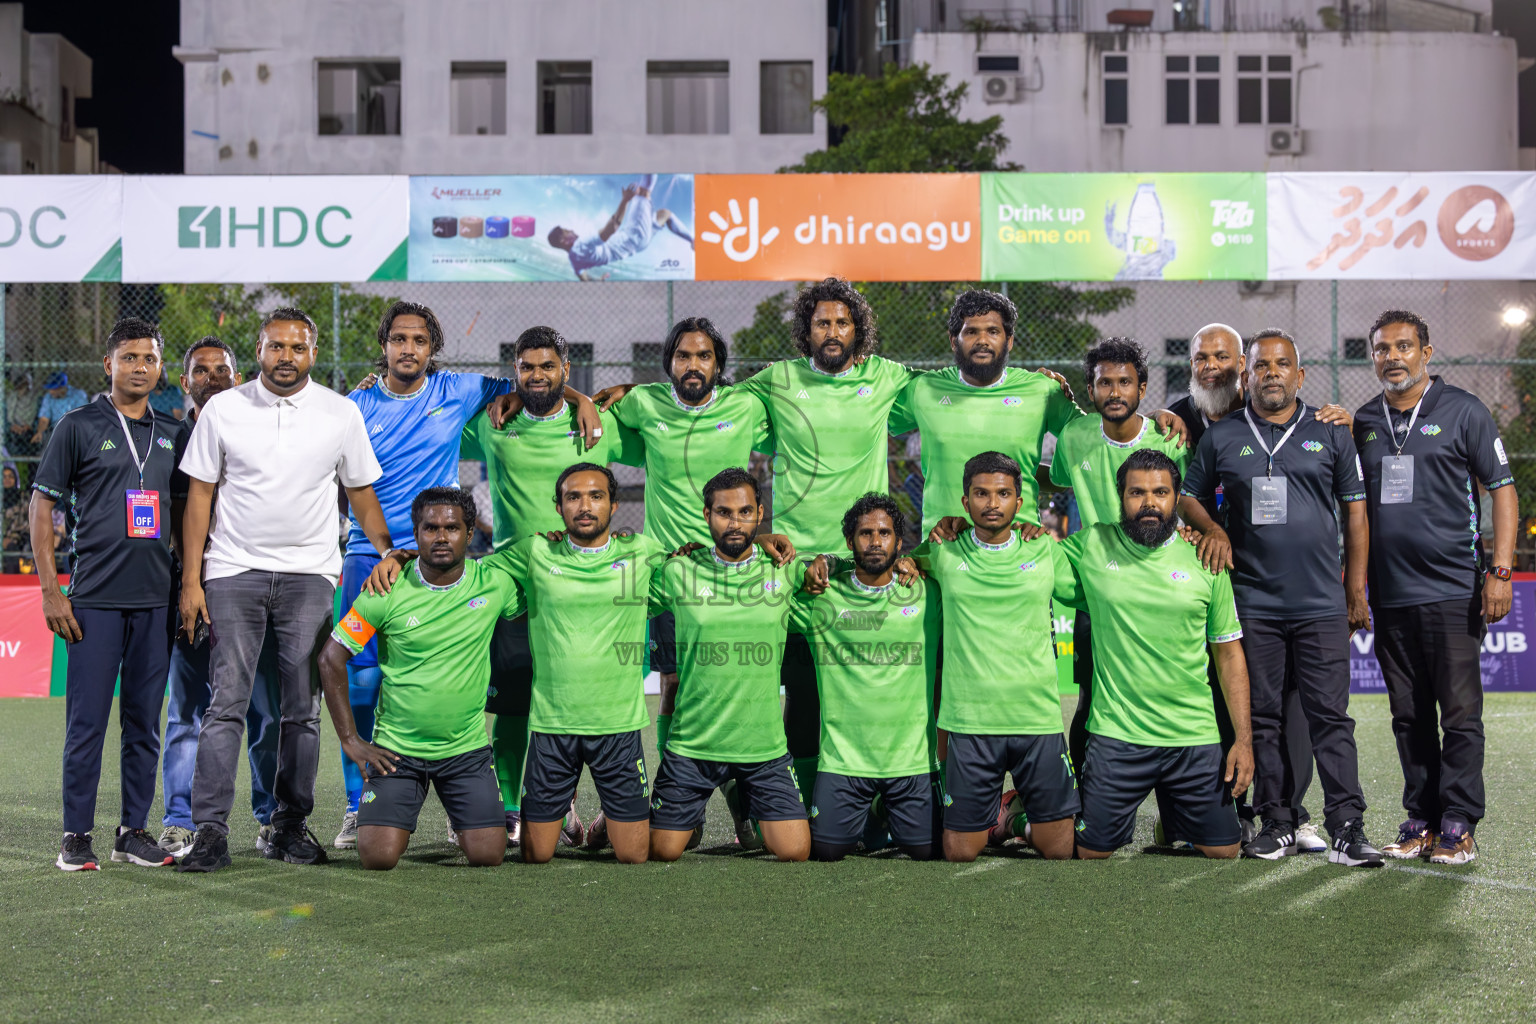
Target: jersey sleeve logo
[
  {"x": 359, "y": 631},
  {"x": 1498, "y": 449}
]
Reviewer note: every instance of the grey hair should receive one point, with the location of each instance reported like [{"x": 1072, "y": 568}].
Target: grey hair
[{"x": 1194, "y": 339}]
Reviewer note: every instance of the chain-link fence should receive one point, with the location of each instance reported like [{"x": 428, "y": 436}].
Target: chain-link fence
[{"x": 1483, "y": 341}]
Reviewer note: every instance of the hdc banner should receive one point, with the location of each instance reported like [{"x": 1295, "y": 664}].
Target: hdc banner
[
  {"x": 1509, "y": 661},
  {"x": 1396, "y": 226},
  {"x": 65, "y": 227},
  {"x": 1122, "y": 227},
  {"x": 248, "y": 229}
]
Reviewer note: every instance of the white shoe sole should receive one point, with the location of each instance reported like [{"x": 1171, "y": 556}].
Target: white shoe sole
[
  {"x": 1400, "y": 855},
  {"x": 90, "y": 866},
  {"x": 1280, "y": 854},
  {"x": 345, "y": 842},
  {"x": 119, "y": 857},
  {"x": 1340, "y": 857},
  {"x": 1459, "y": 858}
]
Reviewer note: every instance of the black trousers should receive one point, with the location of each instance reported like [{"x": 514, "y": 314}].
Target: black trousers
[
  {"x": 1429, "y": 659},
  {"x": 802, "y": 702},
  {"x": 1306, "y": 662}
]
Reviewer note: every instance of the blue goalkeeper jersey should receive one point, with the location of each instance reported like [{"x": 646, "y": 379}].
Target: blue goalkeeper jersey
[{"x": 416, "y": 440}]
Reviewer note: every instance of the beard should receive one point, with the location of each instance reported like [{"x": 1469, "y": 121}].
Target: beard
[
  {"x": 1271, "y": 402},
  {"x": 833, "y": 364},
  {"x": 1408, "y": 382},
  {"x": 692, "y": 387},
  {"x": 584, "y": 533},
  {"x": 733, "y": 545},
  {"x": 876, "y": 563},
  {"x": 1120, "y": 415},
  {"x": 982, "y": 373},
  {"x": 540, "y": 403},
  {"x": 201, "y": 393},
  {"x": 1218, "y": 399},
  {"x": 1147, "y": 534}
]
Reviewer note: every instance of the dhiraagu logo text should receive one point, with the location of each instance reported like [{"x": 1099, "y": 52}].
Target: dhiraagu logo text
[{"x": 280, "y": 227}]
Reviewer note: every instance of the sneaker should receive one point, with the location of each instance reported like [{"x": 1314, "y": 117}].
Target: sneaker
[
  {"x": 514, "y": 829},
  {"x": 175, "y": 840},
  {"x": 134, "y": 846},
  {"x": 1352, "y": 849},
  {"x": 1455, "y": 847},
  {"x": 453, "y": 837},
  {"x": 1160, "y": 838},
  {"x": 346, "y": 839},
  {"x": 1008, "y": 808},
  {"x": 597, "y": 834},
  {"x": 295, "y": 844},
  {"x": 1275, "y": 840},
  {"x": 1248, "y": 831},
  {"x": 1307, "y": 839},
  {"x": 263, "y": 838},
  {"x": 571, "y": 832},
  {"x": 210, "y": 851},
  {"x": 75, "y": 853},
  {"x": 1414, "y": 841},
  {"x": 748, "y": 835}
]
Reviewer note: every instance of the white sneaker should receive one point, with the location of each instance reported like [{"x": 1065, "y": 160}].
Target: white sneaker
[
  {"x": 263, "y": 838},
  {"x": 176, "y": 841},
  {"x": 346, "y": 839},
  {"x": 1308, "y": 841}
]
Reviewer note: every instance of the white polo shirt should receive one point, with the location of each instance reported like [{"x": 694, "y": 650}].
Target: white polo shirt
[{"x": 276, "y": 461}]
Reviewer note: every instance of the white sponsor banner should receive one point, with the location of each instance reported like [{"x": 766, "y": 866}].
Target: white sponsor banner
[
  {"x": 60, "y": 227},
  {"x": 219, "y": 228},
  {"x": 1402, "y": 226}
]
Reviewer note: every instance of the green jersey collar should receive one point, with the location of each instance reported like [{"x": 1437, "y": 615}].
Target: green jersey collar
[
  {"x": 811, "y": 362},
  {"x": 590, "y": 551},
  {"x": 749, "y": 560},
  {"x": 992, "y": 547},
  {"x": 853, "y": 578},
  {"x": 1134, "y": 442},
  {"x": 561, "y": 411},
  {"x": 1002, "y": 379},
  {"x": 713, "y": 394},
  {"x": 434, "y": 586}
]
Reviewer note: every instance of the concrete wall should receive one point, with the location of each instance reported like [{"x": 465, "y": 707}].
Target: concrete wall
[
  {"x": 276, "y": 119},
  {"x": 34, "y": 69}
]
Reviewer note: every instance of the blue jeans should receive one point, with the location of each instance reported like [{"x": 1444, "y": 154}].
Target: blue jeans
[{"x": 185, "y": 707}]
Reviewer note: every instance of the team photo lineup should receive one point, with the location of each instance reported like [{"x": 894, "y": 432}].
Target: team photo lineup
[{"x": 847, "y": 680}]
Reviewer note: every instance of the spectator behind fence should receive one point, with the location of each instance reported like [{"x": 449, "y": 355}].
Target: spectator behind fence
[{"x": 59, "y": 399}]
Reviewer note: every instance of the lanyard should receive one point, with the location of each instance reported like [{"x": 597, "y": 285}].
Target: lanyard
[
  {"x": 1385, "y": 411},
  {"x": 1300, "y": 415},
  {"x": 138, "y": 463}
]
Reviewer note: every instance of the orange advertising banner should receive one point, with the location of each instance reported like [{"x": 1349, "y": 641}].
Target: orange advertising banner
[{"x": 865, "y": 227}]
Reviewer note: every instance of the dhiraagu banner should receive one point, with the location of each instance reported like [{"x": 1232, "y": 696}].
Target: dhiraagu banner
[
  {"x": 1123, "y": 227},
  {"x": 61, "y": 227}
]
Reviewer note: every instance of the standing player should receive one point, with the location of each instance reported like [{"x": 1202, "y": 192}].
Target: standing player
[
  {"x": 1001, "y": 715},
  {"x": 436, "y": 623},
  {"x": 730, "y": 602},
  {"x": 1152, "y": 726},
  {"x": 875, "y": 643}
]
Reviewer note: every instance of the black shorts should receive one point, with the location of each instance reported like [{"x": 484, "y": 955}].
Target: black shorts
[
  {"x": 617, "y": 764},
  {"x": 1041, "y": 770},
  {"x": 511, "y": 689},
  {"x": 465, "y": 783},
  {"x": 663, "y": 643},
  {"x": 684, "y": 785},
  {"x": 840, "y": 805},
  {"x": 1119, "y": 775}
]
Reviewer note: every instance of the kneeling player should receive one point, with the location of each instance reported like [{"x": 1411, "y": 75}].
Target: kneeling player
[
  {"x": 1151, "y": 726},
  {"x": 433, "y": 628},
  {"x": 874, "y": 644},
  {"x": 1001, "y": 706}
]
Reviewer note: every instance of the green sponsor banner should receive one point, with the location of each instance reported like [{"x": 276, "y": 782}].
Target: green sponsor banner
[{"x": 1123, "y": 227}]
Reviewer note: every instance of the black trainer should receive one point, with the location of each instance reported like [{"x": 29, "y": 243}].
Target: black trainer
[
  {"x": 210, "y": 851},
  {"x": 75, "y": 853},
  {"x": 1352, "y": 849},
  {"x": 1275, "y": 840},
  {"x": 295, "y": 844},
  {"x": 136, "y": 846}
]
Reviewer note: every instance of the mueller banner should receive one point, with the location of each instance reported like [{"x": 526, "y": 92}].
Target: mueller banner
[
  {"x": 250, "y": 229},
  {"x": 1122, "y": 227},
  {"x": 1509, "y": 660},
  {"x": 63, "y": 227},
  {"x": 866, "y": 227},
  {"x": 1397, "y": 226},
  {"x": 594, "y": 227}
]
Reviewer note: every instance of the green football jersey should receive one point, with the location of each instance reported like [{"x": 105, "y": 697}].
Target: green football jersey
[
  {"x": 999, "y": 651},
  {"x": 875, "y": 655},
  {"x": 958, "y": 420},
  {"x": 525, "y": 458},
  {"x": 1153, "y": 611},
  {"x": 685, "y": 446},
  {"x": 432, "y": 644},
  {"x": 829, "y": 443},
  {"x": 587, "y": 610},
  {"x": 730, "y": 644},
  {"x": 1087, "y": 461}
]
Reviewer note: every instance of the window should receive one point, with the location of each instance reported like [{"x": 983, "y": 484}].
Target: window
[
  {"x": 1264, "y": 90},
  {"x": 1117, "y": 100},
  {"x": 997, "y": 62},
  {"x": 784, "y": 104},
  {"x": 477, "y": 98},
  {"x": 358, "y": 97},
  {"x": 687, "y": 97},
  {"x": 565, "y": 97},
  {"x": 1192, "y": 87},
  {"x": 646, "y": 355}
]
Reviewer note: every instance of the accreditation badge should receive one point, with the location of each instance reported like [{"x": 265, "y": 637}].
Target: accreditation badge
[{"x": 144, "y": 514}]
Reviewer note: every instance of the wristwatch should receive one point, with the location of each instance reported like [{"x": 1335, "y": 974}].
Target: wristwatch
[{"x": 1500, "y": 572}]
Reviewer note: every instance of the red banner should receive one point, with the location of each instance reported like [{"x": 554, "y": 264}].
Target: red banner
[{"x": 26, "y": 646}]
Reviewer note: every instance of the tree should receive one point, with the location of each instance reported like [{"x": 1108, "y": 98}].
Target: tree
[{"x": 907, "y": 120}]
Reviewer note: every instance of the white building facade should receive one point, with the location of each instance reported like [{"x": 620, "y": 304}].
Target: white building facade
[
  {"x": 476, "y": 87},
  {"x": 42, "y": 74}
]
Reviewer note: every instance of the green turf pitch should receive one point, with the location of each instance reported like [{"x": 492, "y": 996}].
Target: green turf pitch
[{"x": 723, "y": 936}]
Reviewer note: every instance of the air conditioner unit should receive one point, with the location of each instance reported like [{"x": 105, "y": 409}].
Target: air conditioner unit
[
  {"x": 1285, "y": 142},
  {"x": 1001, "y": 89}
]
